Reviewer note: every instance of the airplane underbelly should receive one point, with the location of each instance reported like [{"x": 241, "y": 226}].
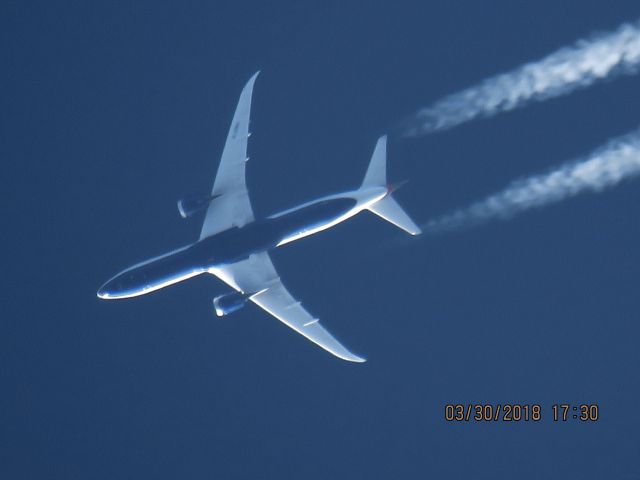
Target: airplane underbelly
[
  {"x": 315, "y": 227},
  {"x": 151, "y": 275},
  {"x": 157, "y": 283}
]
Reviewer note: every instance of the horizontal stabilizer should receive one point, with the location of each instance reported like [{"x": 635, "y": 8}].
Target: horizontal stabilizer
[{"x": 391, "y": 211}]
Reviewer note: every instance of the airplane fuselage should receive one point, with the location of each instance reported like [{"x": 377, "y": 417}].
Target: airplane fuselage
[{"x": 236, "y": 244}]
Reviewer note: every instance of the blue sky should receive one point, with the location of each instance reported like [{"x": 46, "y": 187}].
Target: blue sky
[{"x": 113, "y": 111}]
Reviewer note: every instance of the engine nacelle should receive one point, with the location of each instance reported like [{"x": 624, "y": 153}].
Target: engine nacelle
[
  {"x": 189, "y": 205},
  {"x": 229, "y": 303}
]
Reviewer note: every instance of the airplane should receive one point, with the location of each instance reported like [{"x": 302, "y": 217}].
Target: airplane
[{"x": 234, "y": 245}]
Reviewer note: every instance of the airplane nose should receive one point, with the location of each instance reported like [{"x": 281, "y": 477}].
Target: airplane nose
[
  {"x": 106, "y": 291},
  {"x": 112, "y": 289},
  {"x": 103, "y": 293}
]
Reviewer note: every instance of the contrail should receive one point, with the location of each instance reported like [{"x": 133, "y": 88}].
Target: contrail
[
  {"x": 604, "y": 168},
  {"x": 570, "y": 68}
]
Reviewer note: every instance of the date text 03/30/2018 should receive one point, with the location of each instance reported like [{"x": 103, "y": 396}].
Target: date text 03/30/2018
[{"x": 515, "y": 412}]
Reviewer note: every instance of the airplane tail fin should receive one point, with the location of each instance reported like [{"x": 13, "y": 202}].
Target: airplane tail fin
[{"x": 387, "y": 208}]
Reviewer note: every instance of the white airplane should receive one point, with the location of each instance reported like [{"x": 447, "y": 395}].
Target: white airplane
[{"x": 234, "y": 246}]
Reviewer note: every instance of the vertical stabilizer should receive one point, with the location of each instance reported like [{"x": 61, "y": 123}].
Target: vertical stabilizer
[
  {"x": 387, "y": 207},
  {"x": 376, "y": 175}
]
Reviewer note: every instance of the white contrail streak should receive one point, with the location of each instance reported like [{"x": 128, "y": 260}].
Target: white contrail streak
[
  {"x": 586, "y": 62},
  {"x": 604, "y": 168}
]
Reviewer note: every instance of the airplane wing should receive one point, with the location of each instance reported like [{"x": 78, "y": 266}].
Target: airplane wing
[
  {"x": 257, "y": 274},
  {"x": 231, "y": 206}
]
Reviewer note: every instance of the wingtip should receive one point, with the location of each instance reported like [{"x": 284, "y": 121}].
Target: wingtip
[
  {"x": 354, "y": 358},
  {"x": 344, "y": 354},
  {"x": 251, "y": 81}
]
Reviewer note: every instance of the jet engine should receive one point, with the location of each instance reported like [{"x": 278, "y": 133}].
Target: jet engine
[
  {"x": 194, "y": 203},
  {"x": 229, "y": 303}
]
